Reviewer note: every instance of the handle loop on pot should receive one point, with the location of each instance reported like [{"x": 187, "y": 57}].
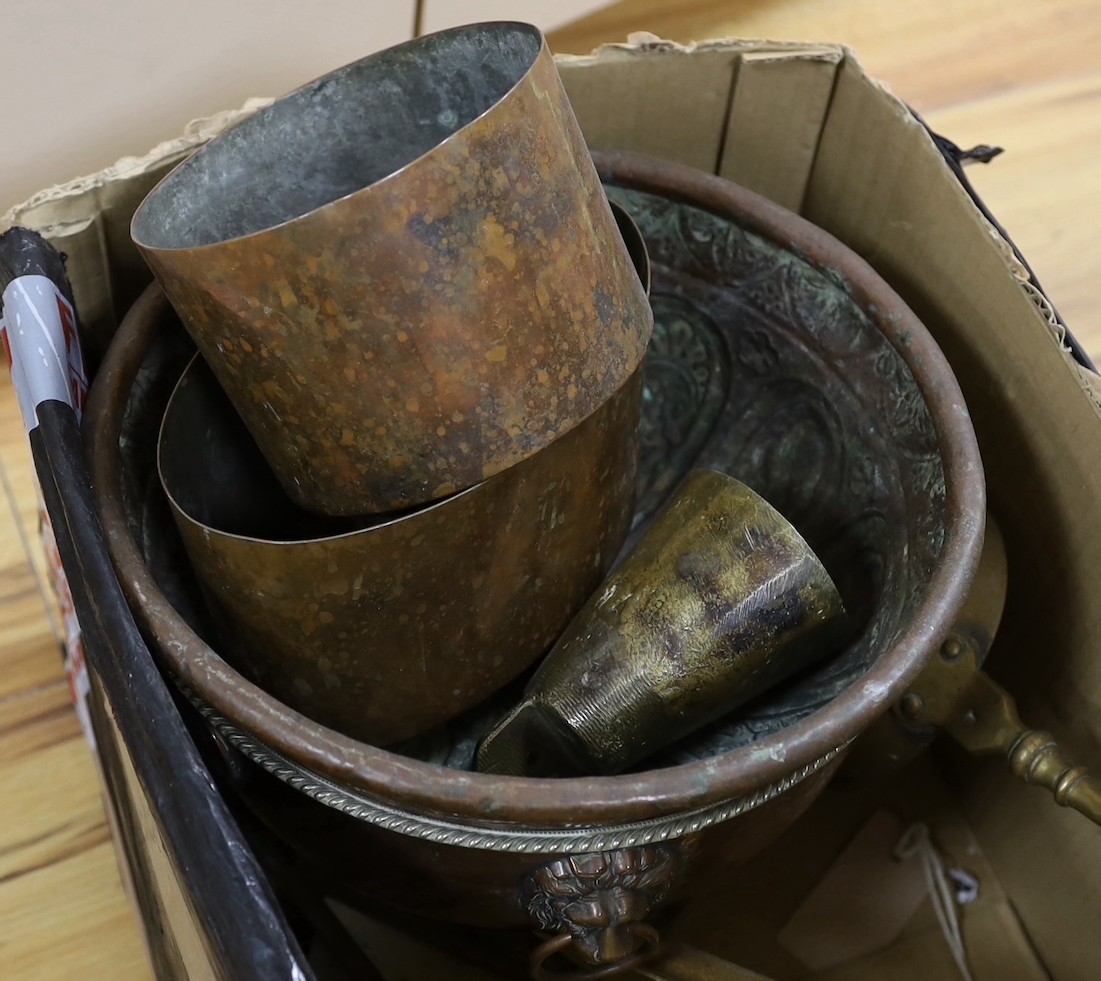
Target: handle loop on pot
[
  {"x": 596, "y": 905},
  {"x": 651, "y": 945}
]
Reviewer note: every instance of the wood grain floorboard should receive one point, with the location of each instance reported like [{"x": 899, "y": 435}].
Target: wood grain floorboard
[
  {"x": 61, "y": 922},
  {"x": 932, "y": 54},
  {"x": 1046, "y": 188},
  {"x": 1023, "y": 75}
]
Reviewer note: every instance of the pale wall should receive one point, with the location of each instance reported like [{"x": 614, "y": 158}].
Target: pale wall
[{"x": 86, "y": 82}]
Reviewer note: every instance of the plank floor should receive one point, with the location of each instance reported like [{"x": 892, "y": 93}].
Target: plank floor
[{"x": 1020, "y": 74}]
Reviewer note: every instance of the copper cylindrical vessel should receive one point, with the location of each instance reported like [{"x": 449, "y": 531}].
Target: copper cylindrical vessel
[
  {"x": 406, "y": 274},
  {"x": 386, "y": 629}
]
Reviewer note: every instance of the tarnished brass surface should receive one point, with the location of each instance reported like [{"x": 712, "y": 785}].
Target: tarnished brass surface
[
  {"x": 955, "y": 695},
  {"x": 599, "y": 902},
  {"x": 720, "y": 600},
  {"x": 768, "y": 370},
  {"x": 385, "y": 630},
  {"x": 405, "y": 274},
  {"x": 895, "y": 738}
]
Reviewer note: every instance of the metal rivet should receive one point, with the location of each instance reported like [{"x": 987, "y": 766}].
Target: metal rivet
[
  {"x": 912, "y": 705},
  {"x": 952, "y": 649}
]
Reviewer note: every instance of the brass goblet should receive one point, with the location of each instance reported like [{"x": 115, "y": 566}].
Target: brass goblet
[{"x": 721, "y": 599}]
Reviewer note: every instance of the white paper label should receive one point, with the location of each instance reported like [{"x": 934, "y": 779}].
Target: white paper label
[
  {"x": 76, "y": 669},
  {"x": 39, "y": 330}
]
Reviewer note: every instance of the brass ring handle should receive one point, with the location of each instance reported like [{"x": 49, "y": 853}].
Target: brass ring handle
[{"x": 651, "y": 943}]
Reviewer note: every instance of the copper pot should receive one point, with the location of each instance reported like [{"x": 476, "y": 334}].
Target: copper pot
[
  {"x": 780, "y": 357},
  {"x": 405, "y": 274}
]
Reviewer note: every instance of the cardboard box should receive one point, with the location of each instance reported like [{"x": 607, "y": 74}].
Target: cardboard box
[{"x": 804, "y": 125}]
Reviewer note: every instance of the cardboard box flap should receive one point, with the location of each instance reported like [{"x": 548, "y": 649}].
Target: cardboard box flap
[
  {"x": 895, "y": 201},
  {"x": 635, "y": 97},
  {"x": 89, "y": 220},
  {"x": 1037, "y": 421},
  {"x": 789, "y": 88}
]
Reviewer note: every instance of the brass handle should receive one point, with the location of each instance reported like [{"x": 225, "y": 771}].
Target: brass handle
[
  {"x": 990, "y": 723},
  {"x": 956, "y": 695},
  {"x": 1036, "y": 758}
]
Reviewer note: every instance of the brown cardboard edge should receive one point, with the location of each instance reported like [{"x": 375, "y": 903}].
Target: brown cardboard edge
[
  {"x": 642, "y": 42},
  {"x": 637, "y": 101},
  {"x": 1042, "y": 448},
  {"x": 1033, "y": 304},
  {"x": 769, "y": 85},
  {"x": 68, "y": 198}
]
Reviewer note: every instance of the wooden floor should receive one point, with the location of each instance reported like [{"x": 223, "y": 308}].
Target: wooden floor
[{"x": 1017, "y": 73}]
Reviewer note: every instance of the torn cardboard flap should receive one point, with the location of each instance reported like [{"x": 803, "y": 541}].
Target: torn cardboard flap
[
  {"x": 89, "y": 220},
  {"x": 46, "y": 211},
  {"x": 646, "y": 43}
]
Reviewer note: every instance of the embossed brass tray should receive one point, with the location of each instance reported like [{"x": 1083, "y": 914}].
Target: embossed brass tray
[{"x": 778, "y": 356}]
